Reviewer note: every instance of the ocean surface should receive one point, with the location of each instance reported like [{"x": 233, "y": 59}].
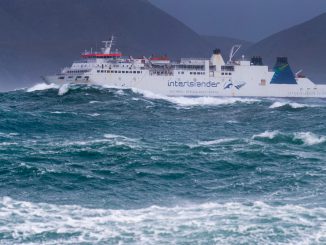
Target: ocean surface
[{"x": 94, "y": 165}]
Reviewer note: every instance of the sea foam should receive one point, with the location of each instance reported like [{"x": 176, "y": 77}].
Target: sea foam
[
  {"x": 266, "y": 134},
  {"x": 42, "y": 86},
  {"x": 211, "y": 223},
  {"x": 196, "y": 101},
  {"x": 108, "y": 140},
  {"x": 293, "y": 105},
  {"x": 309, "y": 138},
  {"x": 215, "y": 142},
  {"x": 63, "y": 89}
]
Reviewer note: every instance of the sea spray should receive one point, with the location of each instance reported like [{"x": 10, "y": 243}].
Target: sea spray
[{"x": 109, "y": 165}]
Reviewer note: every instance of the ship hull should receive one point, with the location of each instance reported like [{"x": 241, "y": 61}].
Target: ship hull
[{"x": 201, "y": 86}]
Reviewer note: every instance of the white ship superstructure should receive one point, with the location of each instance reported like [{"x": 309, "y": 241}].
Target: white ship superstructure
[{"x": 189, "y": 76}]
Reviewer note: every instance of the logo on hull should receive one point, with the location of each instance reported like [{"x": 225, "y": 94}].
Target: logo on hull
[{"x": 237, "y": 85}]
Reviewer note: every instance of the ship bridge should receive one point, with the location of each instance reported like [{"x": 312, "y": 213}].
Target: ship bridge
[{"x": 106, "y": 52}]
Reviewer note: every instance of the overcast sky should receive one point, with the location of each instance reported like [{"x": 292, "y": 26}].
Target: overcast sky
[{"x": 251, "y": 20}]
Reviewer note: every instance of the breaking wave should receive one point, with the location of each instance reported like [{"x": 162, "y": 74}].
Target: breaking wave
[
  {"x": 292, "y": 105},
  {"x": 306, "y": 138},
  {"x": 42, "y": 86},
  {"x": 309, "y": 138},
  {"x": 196, "y": 101},
  {"x": 96, "y": 165},
  {"x": 110, "y": 139},
  {"x": 180, "y": 101},
  {"x": 216, "y": 223},
  {"x": 212, "y": 142},
  {"x": 266, "y": 134},
  {"x": 63, "y": 89}
]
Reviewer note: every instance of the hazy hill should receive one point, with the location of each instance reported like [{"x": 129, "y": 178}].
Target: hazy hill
[
  {"x": 304, "y": 44},
  {"x": 226, "y": 43},
  {"x": 40, "y": 36}
]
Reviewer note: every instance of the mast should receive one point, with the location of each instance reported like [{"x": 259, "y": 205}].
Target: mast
[
  {"x": 108, "y": 45},
  {"x": 234, "y": 50}
]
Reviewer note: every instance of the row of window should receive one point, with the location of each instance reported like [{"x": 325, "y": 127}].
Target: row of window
[
  {"x": 77, "y": 71},
  {"x": 113, "y": 71},
  {"x": 226, "y": 73},
  {"x": 71, "y": 77},
  {"x": 197, "y": 73},
  {"x": 162, "y": 73},
  {"x": 227, "y": 68}
]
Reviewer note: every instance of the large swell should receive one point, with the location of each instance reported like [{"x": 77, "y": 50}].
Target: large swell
[{"x": 87, "y": 164}]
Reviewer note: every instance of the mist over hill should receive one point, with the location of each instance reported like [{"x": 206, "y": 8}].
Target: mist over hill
[
  {"x": 304, "y": 45},
  {"x": 41, "y": 36}
]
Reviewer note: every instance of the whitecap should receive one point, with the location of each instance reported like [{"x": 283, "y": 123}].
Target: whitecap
[
  {"x": 215, "y": 142},
  {"x": 58, "y": 112},
  {"x": 293, "y": 105},
  {"x": 211, "y": 223},
  {"x": 267, "y": 134},
  {"x": 42, "y": 86},
  {"x": 108, "y": 139},
  {"x": 9, "y": 135},
  {"x": 94, "y": 101},
  {"x": 63, "y": 89},
  {"x": 309, "y": 138},
  {"x": 8, "y": 143},
  {"x": 94, "y": 114},
  {"x": 122, "y": 140},
  {"x": 196, "y": 101},
  {"x": 120, "y": 92},
  {"x": 82, "y": 142}
]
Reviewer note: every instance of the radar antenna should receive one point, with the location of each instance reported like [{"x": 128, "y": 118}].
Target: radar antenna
[{"x": 234, "y": 50}]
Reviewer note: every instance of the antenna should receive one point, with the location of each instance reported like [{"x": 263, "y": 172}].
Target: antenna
[
  {"x": 108, "y": 45},
  {"x": 234, "y": 50}
]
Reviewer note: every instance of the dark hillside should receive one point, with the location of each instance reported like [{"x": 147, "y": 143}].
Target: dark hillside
[
  {"x": 40, "y": 36},
  {"x": 304, "y": 44},
  {"x": 226, "y": 43}
]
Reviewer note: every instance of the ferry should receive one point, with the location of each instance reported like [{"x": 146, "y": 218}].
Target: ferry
[{"x": 199, "y": 77}]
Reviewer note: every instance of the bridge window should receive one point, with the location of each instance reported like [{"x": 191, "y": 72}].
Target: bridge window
[{"x": 227, "y": 68}]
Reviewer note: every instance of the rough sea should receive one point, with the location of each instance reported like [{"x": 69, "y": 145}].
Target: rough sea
[{"x": 94, "y": 165}]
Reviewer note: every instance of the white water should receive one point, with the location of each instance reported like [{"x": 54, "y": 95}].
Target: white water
[
  {"x": 215, "y": 142},
  {"x": 309, "y": 138},
  {"x": 42, "y": 86},
  {"x": 63, "y": 89},
  {"x": 197, "y": 101},
  {"x": 266, "y": 134},
  {"x": 291, "y": 104},
  {"x": 209, "y": 223},
  {"x": 108, "y": 139}
]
